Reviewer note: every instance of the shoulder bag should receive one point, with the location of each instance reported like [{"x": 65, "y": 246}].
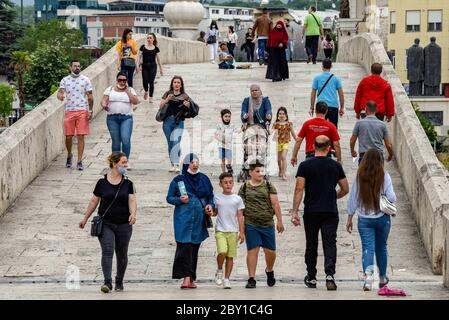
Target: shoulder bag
[
  {"x": 161, "y": 114},
  {"x": 97, "y": 222},
  {"x": 387, "y": 207},
  {"x": 316, "y": 20}
]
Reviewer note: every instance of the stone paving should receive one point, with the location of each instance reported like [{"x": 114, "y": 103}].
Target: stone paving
[{"x": 40, "y": 239}]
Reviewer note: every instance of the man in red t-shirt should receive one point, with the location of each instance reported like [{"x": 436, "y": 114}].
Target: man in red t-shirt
[{"x": 313, "y": 128}]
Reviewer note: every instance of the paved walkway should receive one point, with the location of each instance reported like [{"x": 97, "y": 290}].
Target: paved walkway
[{"x": 40, "y": 240}]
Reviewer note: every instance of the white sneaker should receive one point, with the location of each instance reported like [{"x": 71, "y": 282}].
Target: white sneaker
[
  {"x": 226, "y": 284},
  {"x": 172, "y": 169},
  {"x": 212, "y": 61},
  {"x": 219, "y": 277},
  {"x": 368, "y": 285},
  {"x": 177, "y": 170}
]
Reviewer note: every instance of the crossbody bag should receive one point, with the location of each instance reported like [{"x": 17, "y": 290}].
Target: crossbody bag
[
  {"x": 97, "y": 222},
  {"x": 325, "y": 84}
]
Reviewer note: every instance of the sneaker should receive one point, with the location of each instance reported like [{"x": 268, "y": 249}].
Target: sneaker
[
  {"x": 79, "y": 165},
  {"x": 330, "y": 283},
  {"x": 383, "y": 281},
  {"x": 150, "y": 99},
  {"x": 310, "y": 282},
  {"x": 261, "y": 61},
  {"x": 212, "y": 61},
  {"x": 145, "y": 96},
  {"x": 119, "y": 286},
  {"x": 270, "y": 278},
  {"x": 172, "y": 169},
  {"x": 251, "y": 283},
  {"x": 106, "y": 287},
  {"x": 368, "y": 284},
  {"x": 226, "y": 284},
  {"x": 68, "y": 163},
  {"x": 219, "y": 277},
  {"x": 229, "y": 169},
  {"x": 177, "y": 170},
  {"x": 309, "y": 59}
]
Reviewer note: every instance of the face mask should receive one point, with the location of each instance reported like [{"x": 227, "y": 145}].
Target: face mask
[
  {"x": 121, "y": 86},
  {"x": 191, "y": 172},
  {"x": 214, "y": 27},
  {"x": 76, "y": 73},
  {"x": 122, "y": 170},
  {"x": 287, "y": 25}
]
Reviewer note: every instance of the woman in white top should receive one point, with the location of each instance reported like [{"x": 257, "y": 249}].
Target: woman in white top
[
  {"x": 374, "y": 226},
  {"x": 212, "y": 36},
  {"x": 232, "y": 40},
  {"x": 118, "y": 101}
]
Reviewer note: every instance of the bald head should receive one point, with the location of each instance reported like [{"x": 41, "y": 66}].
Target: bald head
[{"x": 322, "y": 144}]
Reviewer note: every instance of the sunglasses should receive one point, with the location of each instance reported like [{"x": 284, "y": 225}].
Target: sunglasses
[{"x": 122, "y": 80}]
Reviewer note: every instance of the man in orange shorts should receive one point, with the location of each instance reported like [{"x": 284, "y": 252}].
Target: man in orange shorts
[{"x": 79, "y": 101}]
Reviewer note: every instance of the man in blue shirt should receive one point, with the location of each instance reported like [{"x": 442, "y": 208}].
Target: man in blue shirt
[{"x": 327, "y": 88}]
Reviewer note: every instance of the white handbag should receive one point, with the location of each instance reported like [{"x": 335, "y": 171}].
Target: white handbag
[{"x": 387, "y": 207}]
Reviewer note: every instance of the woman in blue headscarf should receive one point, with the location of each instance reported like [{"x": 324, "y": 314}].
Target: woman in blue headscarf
[{"x": 192, "y": 195}]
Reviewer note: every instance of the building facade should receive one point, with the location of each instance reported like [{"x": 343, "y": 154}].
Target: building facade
[{"x": 421, "y": 19}]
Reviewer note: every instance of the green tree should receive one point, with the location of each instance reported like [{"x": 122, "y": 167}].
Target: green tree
[
  {"x": 9, "y": 32},
  {"x": 49, "y": 65},
  {"x": 28, "y": 14},
  {"x": 20, "y": 61},
  {"x": 428, "y": 127},
  {"x": 54, "y": 32},
  {"x": 6, "y": 99}
]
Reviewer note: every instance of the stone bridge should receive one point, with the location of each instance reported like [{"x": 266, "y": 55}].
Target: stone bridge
[{"x": 41, "y": 202}]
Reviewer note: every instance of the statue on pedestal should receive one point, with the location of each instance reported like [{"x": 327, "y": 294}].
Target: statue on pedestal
[
  {"x": 344, "y": 9},
  {"x": 415, "y": 69},
  {"x": 432, "y": 69}
]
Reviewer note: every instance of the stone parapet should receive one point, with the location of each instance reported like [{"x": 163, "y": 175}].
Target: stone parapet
[
  {"x": 32, "y": 143},
  {"x": 423, "y": 175}
]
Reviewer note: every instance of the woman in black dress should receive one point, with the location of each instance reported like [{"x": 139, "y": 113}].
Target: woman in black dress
[
  {"x": 146, "y": 62},
  {"x": 277, "y": 62}
]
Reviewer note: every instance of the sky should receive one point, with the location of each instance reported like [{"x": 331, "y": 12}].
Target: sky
[{"x": 25, "y": 2}]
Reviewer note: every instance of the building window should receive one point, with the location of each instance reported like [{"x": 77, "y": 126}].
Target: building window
[
  {"x": 435, "y": 18},
  {"x": 413, "y": 21},
  {"x": 154, "y": 19},
  {"x": 137, "y": 19},
  {"x": 99, "y": 33},
  {"x": 435, "y": 117},
  {"x": 393, "y": 21}
]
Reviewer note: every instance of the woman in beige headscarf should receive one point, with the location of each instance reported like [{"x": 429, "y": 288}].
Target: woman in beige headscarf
[{"x": 256, "y": 109}]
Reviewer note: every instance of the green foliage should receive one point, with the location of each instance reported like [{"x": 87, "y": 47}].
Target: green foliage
[
  {"x": 427, "y": 126},
  {"x": 20, "y": 62},
  {"x": 51, "y": 32},
  {"x": 49, "y": 65},
  {"x": 105, "y": 45},
  {"x": 6, "y": 99},
  {"x": 54, "y": 88},
  {"x": 9, "y": 32}
]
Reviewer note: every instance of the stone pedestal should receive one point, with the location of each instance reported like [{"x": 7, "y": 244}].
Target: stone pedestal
[
  {"x": 183, "y": 17},
  {"x": 347, "y": 28}
]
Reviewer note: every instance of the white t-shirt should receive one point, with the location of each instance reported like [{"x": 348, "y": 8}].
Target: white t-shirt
[
  {"x": 225, "y": 134},
  {"x": 227, "y": 207},
  {"x": 75, "y": 92},
  {"x": 119, "y": 101}
]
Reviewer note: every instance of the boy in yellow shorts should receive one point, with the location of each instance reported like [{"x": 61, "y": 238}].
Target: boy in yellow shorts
[{"x": 229, "y": 228}]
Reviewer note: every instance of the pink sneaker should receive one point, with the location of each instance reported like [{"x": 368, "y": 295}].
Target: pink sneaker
[{"x": 385, "y": 291}]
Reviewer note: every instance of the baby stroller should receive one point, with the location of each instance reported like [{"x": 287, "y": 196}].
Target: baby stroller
[{"x": 255, "y": 149}]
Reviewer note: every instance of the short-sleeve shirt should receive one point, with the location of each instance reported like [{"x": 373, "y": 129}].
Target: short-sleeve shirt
[
  {"x": 321, "y": 176},
  {"x": 227, "y": 207},
  {"x": 258, "y": 208},
  {"x": 330, "y": 92},
  {"x": 284, "y": 131},
  {"x": 119, "y": 212},
  {"x": 126, "y": 50},
  {"x": 371, "y": 133},
  {"x": 75, "y": 92},
  {"x": 149, "y": 56},
  {"x": 225, "y": 133},
  {"x": 313, "y": 28},
  {"x": 316, "y": 127}
]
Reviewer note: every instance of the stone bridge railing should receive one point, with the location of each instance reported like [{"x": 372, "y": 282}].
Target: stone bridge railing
[
  {"x": 32, "y": 143},
  {"x": 423, "y": 175}
]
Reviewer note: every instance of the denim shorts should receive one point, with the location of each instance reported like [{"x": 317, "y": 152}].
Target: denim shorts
[
  {"x": 225, "y": 153},
  {"x": 260, "y": 237}
]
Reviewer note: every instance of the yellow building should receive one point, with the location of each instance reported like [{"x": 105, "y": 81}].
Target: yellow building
[{"x": 423, "y": 19}]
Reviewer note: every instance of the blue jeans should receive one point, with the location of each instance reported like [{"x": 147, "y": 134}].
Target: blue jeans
[
  {"x": 120, "y": 127},
  {"x": 289, "y": 51},
  {"x": 261, "y": 45},
  {"x": 374, "y": 235},
  {"x": 173, "y": 134}
]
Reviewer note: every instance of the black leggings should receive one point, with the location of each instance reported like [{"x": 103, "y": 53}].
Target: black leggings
[
  {"x": 114, "y": 237},
  {"x": 149, "y": 72},
  {"x": 250, "y": 51}
]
